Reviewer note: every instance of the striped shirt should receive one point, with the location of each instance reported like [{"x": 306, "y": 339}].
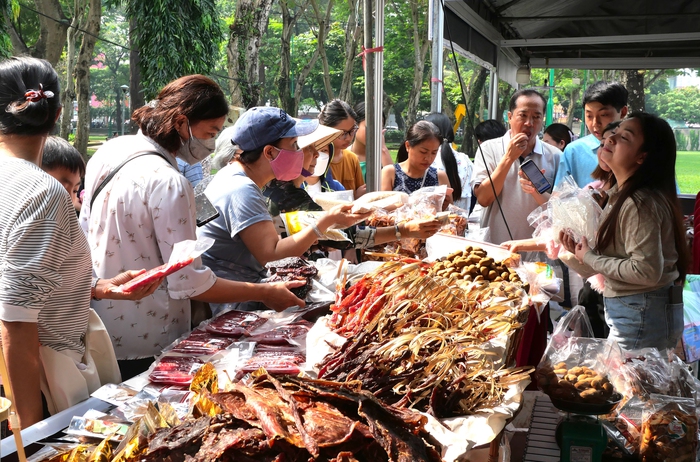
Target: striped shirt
[{"x": 45, "y": 269}]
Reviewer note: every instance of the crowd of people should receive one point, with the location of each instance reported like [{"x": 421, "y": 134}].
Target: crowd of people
[{"x": 58, "y": 274}]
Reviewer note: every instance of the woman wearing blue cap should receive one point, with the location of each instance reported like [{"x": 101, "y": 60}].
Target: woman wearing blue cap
[{"x": 245, "y": 237}]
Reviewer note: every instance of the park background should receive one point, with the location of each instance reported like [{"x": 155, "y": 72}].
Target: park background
[{"x": 114, "y": 55}]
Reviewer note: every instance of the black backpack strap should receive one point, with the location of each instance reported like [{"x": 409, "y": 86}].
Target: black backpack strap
[{"x": 109, "y": 177}]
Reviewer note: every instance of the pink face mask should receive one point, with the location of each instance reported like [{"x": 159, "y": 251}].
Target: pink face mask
[{"x": 287, "y": 165}]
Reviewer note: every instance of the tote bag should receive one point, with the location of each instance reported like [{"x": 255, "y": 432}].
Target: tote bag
[{"x": 65, "y": 383}]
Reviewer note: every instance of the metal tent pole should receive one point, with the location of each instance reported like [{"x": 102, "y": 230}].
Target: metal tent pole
[
  {"x": 436, "y": 35},
  {"x": 374, "y": 89}
]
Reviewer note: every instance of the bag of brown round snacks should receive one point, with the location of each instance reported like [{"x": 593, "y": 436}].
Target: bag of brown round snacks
[
  {"x": 669, "y": 430},
  {"x": 576, "y": 384}
]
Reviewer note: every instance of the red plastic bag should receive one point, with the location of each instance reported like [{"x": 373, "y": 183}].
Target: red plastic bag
[{"x": 183, "y": 254}]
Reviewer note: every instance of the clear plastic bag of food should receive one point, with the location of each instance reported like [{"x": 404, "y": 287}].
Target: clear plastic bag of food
[
  {"x": 642, "y": 373},
  {"x": 574, "y": 210},
  {"x": 430, "y": 198},
  {"x": 293, "y": 222},
  {"x": 379, "y": 200},
  {"x": 381, "y": 218},
  {"x": 669, "y": 430},
  {"x": 575, "y": 368},
  {"x": 183, "y": 254},
  {"x": 329, "y": 199},
  {"x": 457, "y": 221}
]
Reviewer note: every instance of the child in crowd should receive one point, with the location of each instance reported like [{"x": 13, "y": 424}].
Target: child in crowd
[
  {"x": 345, "y": 166},
  {"x": 63, "y": 162}
]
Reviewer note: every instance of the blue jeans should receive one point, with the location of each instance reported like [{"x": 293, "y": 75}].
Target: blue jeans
[{"x": 646, "y": 320}]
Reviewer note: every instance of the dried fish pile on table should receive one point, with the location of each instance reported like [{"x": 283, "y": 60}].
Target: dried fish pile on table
[
  {"x": 292, "y": 419},
  {"x": 415, "y": 341}
]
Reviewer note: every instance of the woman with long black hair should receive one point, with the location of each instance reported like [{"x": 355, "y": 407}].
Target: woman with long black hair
[{"x": 640, "y": 246}]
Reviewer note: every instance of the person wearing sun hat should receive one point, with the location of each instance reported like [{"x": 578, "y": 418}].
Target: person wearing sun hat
[{"x": 244, "y": 235}]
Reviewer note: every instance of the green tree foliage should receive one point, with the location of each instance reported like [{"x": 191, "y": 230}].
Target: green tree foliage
[
  {"x": 681, "y": 104},
  {"x": 5, "y": 42},
  {"x": 175, "y": 38}
]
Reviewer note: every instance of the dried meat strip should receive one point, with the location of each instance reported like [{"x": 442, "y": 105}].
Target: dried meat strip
[
  {"x": 391, "y": 433},
  {"x": 251, "y": 441}
]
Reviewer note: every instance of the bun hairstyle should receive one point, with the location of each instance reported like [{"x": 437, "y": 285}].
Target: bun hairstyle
[
  {"x": 449, "y": 161},
  {"x": 29, "y": 96},
  {"x": 195, "y": 96}
]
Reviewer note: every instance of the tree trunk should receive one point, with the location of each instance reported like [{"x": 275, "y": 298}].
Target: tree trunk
[
  {"x": 570, "y": 113},
  {"x": 353, "y": 31},
  {"x": 68, "y": 93},
  {"x": 399, "y": 106},
  {"x": 287, "y": 100},
  {"x": 633, "y": 80},
  {"x": 243, "y": 51},
  {"x": 475, "y": 90},
  {"x": 420, "y": 47},
  {"x": 504, "y": 93},
  {"x": 53, "y": 26},
  {"x": 323, "y": 27},
  {"x": 135, "y": 89},
  {"x": 52, "y": 36},
  {"x": 301, "y": 78},
  {"x": 82, "y": 73},
  {"x": 18, "y": 46}
]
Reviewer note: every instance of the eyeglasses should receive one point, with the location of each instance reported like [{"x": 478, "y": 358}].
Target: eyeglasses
[{"x": 350, "y": 133}]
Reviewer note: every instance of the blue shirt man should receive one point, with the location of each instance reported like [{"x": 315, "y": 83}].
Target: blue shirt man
[
  {"x": 579, "y": 160},
  {"x": 603, "y": 103}
]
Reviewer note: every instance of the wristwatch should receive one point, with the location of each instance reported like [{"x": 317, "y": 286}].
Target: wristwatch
[
  {"x": 93, "y": 289},
  {"x": 397, "y": 232}
]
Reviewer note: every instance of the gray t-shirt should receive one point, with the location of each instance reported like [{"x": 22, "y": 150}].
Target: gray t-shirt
[{"x": 240, "y": 204}]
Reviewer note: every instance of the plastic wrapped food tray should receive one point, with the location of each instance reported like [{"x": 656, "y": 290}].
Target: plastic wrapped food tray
[
  {"x": 275, "y": 361},
  {"x": 202, "y": 344},
  {"x": 283, "y": 335},
  {"x": 175, "y": 370},
  {"x": 235, "y": 323}
]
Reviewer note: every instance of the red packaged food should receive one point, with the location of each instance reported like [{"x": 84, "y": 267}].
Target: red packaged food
[
  {"x": 283, "y": 335},
  {"x": 153, "y": 275},
  {"x": 202, "y": 344},
  {"x": 235, "y": 323},
  {"x": 275, "y": 361},
  {"x": 175, "y": 370}
]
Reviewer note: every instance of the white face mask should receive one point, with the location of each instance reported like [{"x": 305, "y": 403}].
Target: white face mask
[
  {"x": 193, "y": 152},
  {"x": 321, "y": 164}
]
